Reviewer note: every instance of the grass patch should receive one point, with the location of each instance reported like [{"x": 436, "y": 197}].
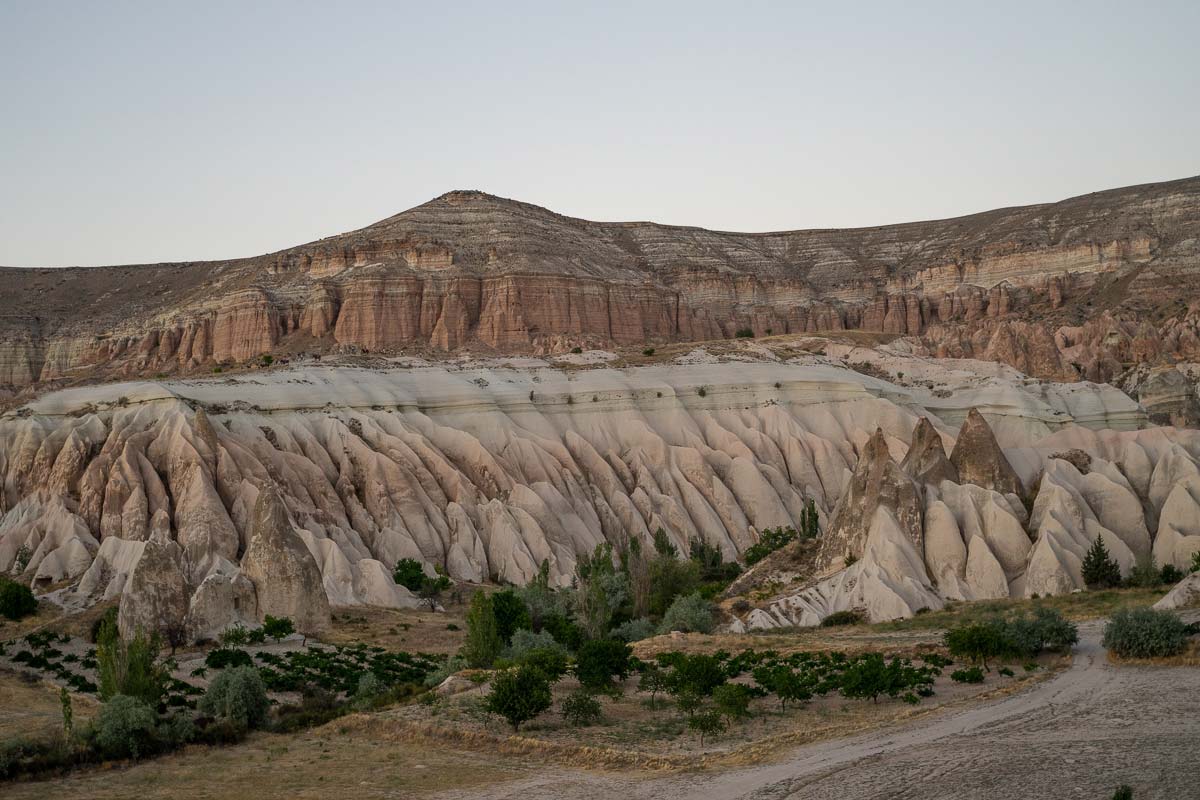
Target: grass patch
[{"x": 1076, "y": 606}]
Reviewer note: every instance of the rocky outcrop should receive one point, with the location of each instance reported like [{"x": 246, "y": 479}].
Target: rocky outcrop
[
  {"x": 1057, "y": 300},
  {"x": 926, "y": 462},
  {"x": 979, "y": 460},
  {"x": 155, "y": 601},
  {"x": 287, "y": 581}
]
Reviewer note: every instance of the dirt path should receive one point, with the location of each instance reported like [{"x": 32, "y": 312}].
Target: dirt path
[{"x": 1080, "y": 734}]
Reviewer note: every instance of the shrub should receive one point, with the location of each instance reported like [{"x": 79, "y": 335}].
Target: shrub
[
  {"x": 1145, "y": 633},
  {"x": 581, "y": 709},
  {"x": 1145, "y": 573},
  {"x": 237, "y": 695},
  {"x": 224, "y": 657},
  {"x": 129, "y": 667},
  {"x": 1006, "y": 672},
  {"x": 432, "y": 588},
  {"x": 125, "y": 727},
  {"x": 732, "y": 700},
  {"x": 838, "y": 618},
  {"x": 708, "y": 723},
  {"x": 519, "y": 695},
  {"x": 691, "y": 613},
  {"x": 278, "y": 627},
  {"x": 744, "y": 333},
  {"x": 601, "y": 660},
  {"x": 369, "y": 687},
  {"x": 979, "y": 641},
  {"x": 409, "y": 573},
  {"x": 1045, "y": 629},
  {"x": 483, "y": 643},
  {"x": 870, "y": 676},
  {"x": 787, "y": 684},
  {"x": 649, "y": 351},
  {"x": 550, "y": 661},
  {"x": 770, "y": 540},
  {"x": 634, "y": 630},
  {"x": 1123, "y": 792},
  {"x": 235, "y": 636},
  {"x": 1099, "y": 570},
  {"x": 1171, "y": 574},
  {"x": 696, "y": 674},
  {"x": 16, "y": 599},
  {"x": 969, "y": 675},
  {"x": 109, "y": 616},
  {"x": 1195, "y": 561},
  {"x": 453, "y": 664},
  {"x": 671, "y": 578},
  {"x": 525, "y": 640}
]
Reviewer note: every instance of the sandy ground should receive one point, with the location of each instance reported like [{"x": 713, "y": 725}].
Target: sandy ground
[{"x": 1080, "y": 735}]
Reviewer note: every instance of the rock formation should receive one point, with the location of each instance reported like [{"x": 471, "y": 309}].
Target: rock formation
[
  {"x": 286, "y": 578},
  {"x": 979, "y": 460}
]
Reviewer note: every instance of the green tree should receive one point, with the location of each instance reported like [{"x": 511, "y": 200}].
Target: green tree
[
  {"x": 1099, "y": 570},
  {"x": 697, "y": 674},
  {"x": 409, "y": 573},
  {"x": 671, "y": 578},
  {"x": 708, "y": 723},
  {"x": 691, "y": 613},
  {"x": 238, "y": 695},
  {"x": 652, "y": 680},
  {"x": 130, "y": 667},
  {"x": 600, "y": 590},
  {"x": 1196, "y": 561},
  {"x": 125, "y": 727},
  {"x": 518, "y": 695},
  {"x": 732, "y": 700},
  {"x": 16, "y": 600},
  {"x": 278, "y": 628},
  {"x": 979, "y": 641},
  {"x": 483, "y": 643},
  {"x": 810, "y": 521},
  {"x": 599, "y": 661},
  {"x": 870, "y": 676},
  {"x": 1145, "y": 573},
  {"x": 785, "y": 683},
  {"x": 511, "y": 614},
  {"x": 768, "y": 542},
  {"x": 431, "y": 589},
  {"x": 581, "y": 709}
]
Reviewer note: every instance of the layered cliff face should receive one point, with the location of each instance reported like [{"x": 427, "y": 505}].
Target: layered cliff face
[
  {"x": 205, "y": 502},
  {"x": 1081, "y": 288}
]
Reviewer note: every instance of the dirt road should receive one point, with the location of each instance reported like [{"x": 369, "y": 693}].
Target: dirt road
[{"x": 1079, "y": 735}]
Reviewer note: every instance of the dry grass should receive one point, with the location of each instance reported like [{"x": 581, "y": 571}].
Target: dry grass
[
  {"x": 32, "y": 709},
  {"x": 400, "y": 629}
]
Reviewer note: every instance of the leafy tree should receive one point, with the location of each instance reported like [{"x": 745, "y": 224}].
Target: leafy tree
[
  {"x": 634, "y": 630},
  {"x": 511, "y": 614},
  {"x": 663, "y": 544},
  {"x": 235, "y": 636},
  {"x": 278, "y": 628},
  {"x": 810, "y": 521},
  {"x": 564, "y": 631},
  {"x": 713, "y": 566},
  {"x": 652, "y": 680},
  {"x": 524, "y": 640},
  {"x": 581, "y": 709},
  {"x": 21, "y": 559},
  {"x": 600, "y": 660},
  {"x": 1099, "y": 570},
  {"x": 16, "y": 599},
  {"x": 519, "y": 695},
  {"x": 130, "y": 667},
  {"x": 697, "y": 674},
  {"x": 785, "y": 683},
  {"x": 671, "y": 578},
  {"x": 636, "y": 565},
  {"x": 483, "y": 643},
  {"x": 870, "y": 676},
  {"x": 409, "y": 573},
  {"x": 550, "y": 661},
  {"x": 1145, "y": 633},
  {"x": 431, "y": 589},
  {"x": 708, "y": 723},
  {"x": 125, "y": 727},
  {"x": 68, "y": 713},
  {"x": 979, "y": 641},
  {"x": 732, "y": 700},
  {"x": 238, "y": 696},
  {"x": 540, "y": 598},
  {"x": 600, "y": 590},
  {"x": 690, "y": 613}
]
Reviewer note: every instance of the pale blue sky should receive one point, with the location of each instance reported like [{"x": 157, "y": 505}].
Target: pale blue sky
[{"x": 163, "y": 131}]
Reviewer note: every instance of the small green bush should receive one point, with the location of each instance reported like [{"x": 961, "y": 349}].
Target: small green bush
[
  {"x": 224, "y": 657},
  {"x": 1145, "y": 573},
  {"x": 732, "y": 700},
  {"x": 581, "y": 709},
  {"x": 278, "y": 627},
  {"x": 634, "y": 630},
  {"x": 125, "y": 727},
  {"x": 237, "y": 695},
  {"x": 550, "y": 661},
  {"x": 968, "y": 675},
  {"x": 838, "y": 618},
  {"x": 770, "y": 540},
  {"x": 744, "y": 333},
  {"x": 599, "y": 661},
  {"x": 409, "y": 573},
  {"x": 576, "y": 350},
  {"x": 235, "y": 636},
  {"x": 1006, "y": 672},
  {"x": 1145, "y": 633},
  {"x": 1123, "y": 792},
  {"x": 525, "y": 640},
  {"x": 691, "y": 613},
  {"x": 649, "y": 351},
  {"x": 16, "y": 599},
  {"x": 707, "y": 723},
  {"x": 1171, "y": 574}
]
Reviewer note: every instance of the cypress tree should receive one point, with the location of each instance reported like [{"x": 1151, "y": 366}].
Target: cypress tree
[{"x": 1100, "y": 571}]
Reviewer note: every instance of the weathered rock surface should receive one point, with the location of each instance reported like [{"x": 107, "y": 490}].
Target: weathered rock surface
[
  {"x": 979, "y": 460},
  {"x": 156, "y": 598},
  {"x": 287, "y": 581}
]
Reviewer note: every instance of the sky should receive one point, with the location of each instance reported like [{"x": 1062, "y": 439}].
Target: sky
[{"x": 139, "y": 132}]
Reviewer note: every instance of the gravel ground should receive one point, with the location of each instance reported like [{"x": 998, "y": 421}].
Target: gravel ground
[{"x": 1079, "y": 735}]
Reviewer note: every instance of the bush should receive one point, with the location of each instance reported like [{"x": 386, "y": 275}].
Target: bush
[
  {"x": 838, "y": 618},
  {"x": 870, "y": 676},
  {"x": 601, "y": 660},
  {"x": 524, "y": 641},
  {"x": 1045, "y": 629},
  {"x": 1145, "y": 573},
  {"x": 691, "y": 613},
  {"x": 634, "y": 630},
  {"x": 237, "y": 695},
  {"x": 125, "y": 727},
  {"x": 278, "y": 627},
  {"x": 369, "y": 687},
  {"x": 1145, "y": 633},
  {"x": 235, "y": 636},
  {"x": 1006, "y": 672},
  {"x": 970, "y": 675},
  {"x": 518, "y": 695},
  {"x": 671, "y": 578},
  {"x": 511, "y": 614},
  {"x": 409, "y": 573},
  {"x": 224, "y": 657},
  {"x": 697, "y": 675},
  {"x": 108, "y": 617},
  {"x": 581, "y": 709},
  {"x": 1123, "y": 792},
  {"x": 550, "y": 661},
  {"x": 1099, "y": 570},
  {"x": 16, "y": 599},
  {"x": 1171, "y": 574},
  {"x": 649, "y": 351},
  {"x": 979, "y": 641},
  {"x": 1195, "y": 561},
  {"x": 770, "y": 540},
  {"x": 744, "y": 333}
]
